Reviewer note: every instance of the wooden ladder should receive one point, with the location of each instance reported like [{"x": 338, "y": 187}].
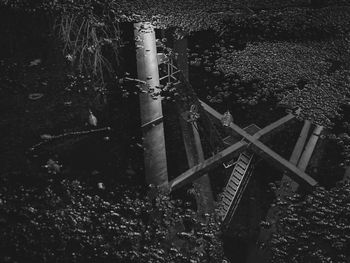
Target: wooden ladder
[{"x": 236, "y": 184}]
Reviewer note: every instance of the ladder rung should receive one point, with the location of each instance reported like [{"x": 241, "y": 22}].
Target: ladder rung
[
  {"x": 223, "y": 215},
  {"x": 234, "y": 189},
  {"x": 231, "y": 198},
  {"x": 242, "y": 165},
  {"x": 229, "y": 205},
  {"x": 249, "y": 157},
  {"x": 244, "y": 158},
  {"x": 246, "y": 154},
  {"x": 243, "y": 161},
  {"x": 227, "y": 202},
  {"x": 226, "y": 205},
  {"x": 229, "y": 195},
  {"x": 233, "y": 186},
  {"x": 240, "y": 170},
  {"x": 230, "y": 192},
  {"x": 234, "y": 180},
  {"x": 237, "y": 174},
  {"x": 224, "y": 208}
]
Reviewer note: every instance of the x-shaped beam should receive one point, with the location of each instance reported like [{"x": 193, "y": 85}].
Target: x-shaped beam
[{"x": 254, "y": 143}]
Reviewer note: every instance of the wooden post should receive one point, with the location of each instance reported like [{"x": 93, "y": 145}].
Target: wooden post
[
  {"x": 299, "y": 146},
  {"x": 255, "y": 145},
  {"x": 287, "y": 184},
  {"x": 150, "y": 108},
  {"x": 287, "y": 188},
  {"x": 346, "y": 177},
  {"x": 309, "y": 148},
  {"x": 192, "y": 141}
]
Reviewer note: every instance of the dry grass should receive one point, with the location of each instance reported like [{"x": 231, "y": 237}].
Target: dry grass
[{"x": 86, "y": 42}]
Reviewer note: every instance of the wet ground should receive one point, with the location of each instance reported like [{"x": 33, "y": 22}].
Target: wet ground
[{"x": 40, "y": 96}]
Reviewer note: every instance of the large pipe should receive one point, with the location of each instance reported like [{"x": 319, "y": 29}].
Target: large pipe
[{"x": 150, "y": 107}]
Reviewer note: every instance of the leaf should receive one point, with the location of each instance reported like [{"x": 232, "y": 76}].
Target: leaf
[
  {"x": 35, "y": 62},
  {"x": 46, "y": 136}
]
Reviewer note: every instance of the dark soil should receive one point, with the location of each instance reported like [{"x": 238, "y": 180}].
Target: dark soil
[{"x": 31, "y": 62}]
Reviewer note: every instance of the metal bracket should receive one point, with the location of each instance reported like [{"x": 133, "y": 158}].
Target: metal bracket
[
  {"x": 152, "y": 122},
  {"x": 229, "y": 164},
  {"x": 162, "y": 58}
]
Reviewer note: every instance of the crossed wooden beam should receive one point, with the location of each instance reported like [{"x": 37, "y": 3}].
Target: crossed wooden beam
[{"x": 253, "y": 142}]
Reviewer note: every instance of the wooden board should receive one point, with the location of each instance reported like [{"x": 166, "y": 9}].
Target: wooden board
[
  {"x": 204, "y": 167},
  {"x": 257, "y": 146}
]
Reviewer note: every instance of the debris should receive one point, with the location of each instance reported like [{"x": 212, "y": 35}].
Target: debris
[
  {"x": 95, "y": 172},
  {"x": 101, "y": 186},
  {"x": 139, "y": 145},
  {"x": 92, "y": 119},
  {"x": 35, "y": 96},
  {"x": 69, "y": 57},
  {"x": 52, "y": 166},
  {"x": 130, "y": 171},
  {"x": 35, "y": 62},
  {"x": 46, "y": 136},
  {"x": 227, "y": 119}
]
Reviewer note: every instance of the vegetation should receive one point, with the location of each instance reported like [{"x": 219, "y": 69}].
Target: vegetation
[
  {"x": 257, "y": 56},
  {"x": 292, "y": 72},
  {"x": 321, "y": 220},
  {"x": 62, "y": 221}
]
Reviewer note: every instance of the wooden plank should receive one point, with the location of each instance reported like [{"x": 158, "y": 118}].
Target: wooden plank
[
  {"x": 299, "y": 146},
  {"x": 275, "y": 159},
  {"x": 309, "y": 148},
  {"x": 262, "y": 150},
  {"x": 211, "y": 111},
  {"x": 229, "y": 140},
  {"x": 264, "y": 133},
  {"x": 190, "y": 134},
  {"x": 251, "y": 129},
  {"x": 287, "y": 188},
  {"x": 204, "y": 167},
  {"x": 282, "y": 164}
]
